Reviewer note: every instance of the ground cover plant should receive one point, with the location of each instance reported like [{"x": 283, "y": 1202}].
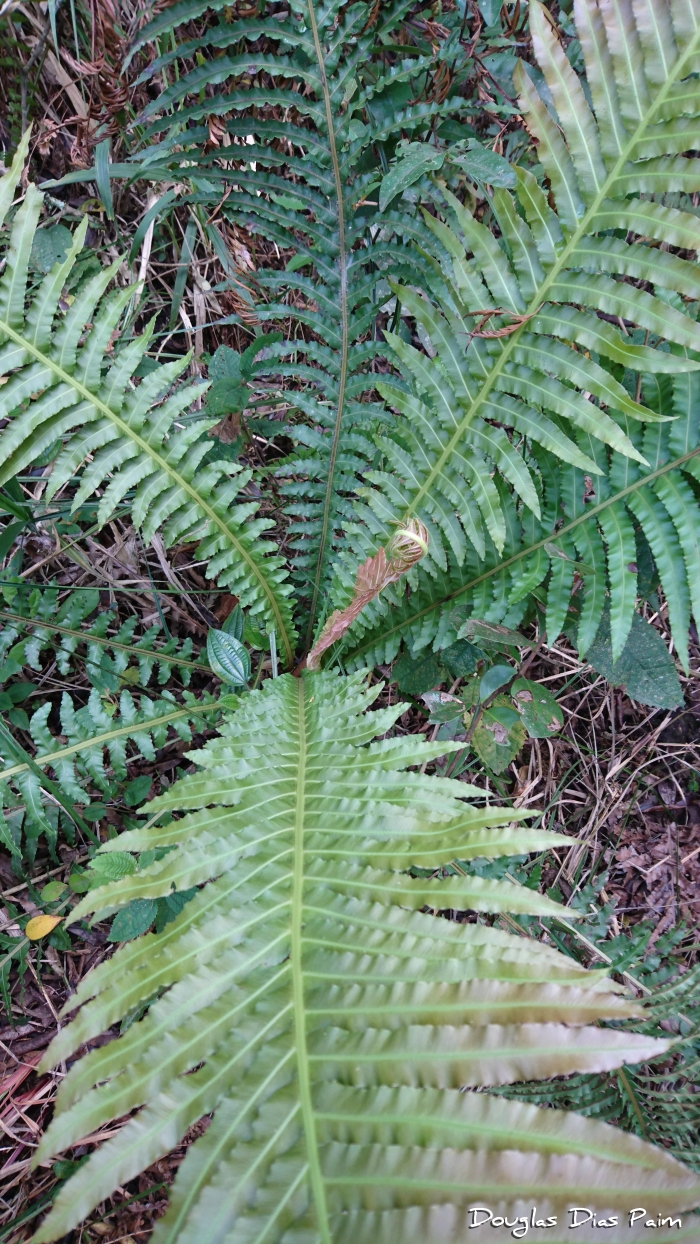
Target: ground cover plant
[{"x": 349, "y": 466}]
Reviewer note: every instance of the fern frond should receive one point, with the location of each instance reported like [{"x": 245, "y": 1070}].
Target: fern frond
[
  {"x": 307, "y": 1000},
  {"x": 512, "y": 322},
  {"x": 57, "y": 387},
  {"x": 317, "y": 198},
  {"x": 97, "y": 737},
  {"x": 660, "y": 1106},
  {"x": 36, "y": 624},
  {"x": 496, "y": 588}
]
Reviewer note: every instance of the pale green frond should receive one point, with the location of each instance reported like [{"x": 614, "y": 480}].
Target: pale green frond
[
  {"x": 308, "y": 1000},
  {"x": 10, "y": 181}
]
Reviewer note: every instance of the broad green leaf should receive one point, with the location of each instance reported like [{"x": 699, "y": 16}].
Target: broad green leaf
[
  {"x": 133, "y": 920},
  {"x": 461, "y": 658},
  {"x": 442, "y": 706},
  {"x": 414, "y": 675},
  {"x": 225, "y": 397},
  {"x": 483, "y": 165},
  {"x": 494, "y": 678},
  {"x": 307, "y": 986},
  {"x": 52, "y": 891},
  {"x": 234, "y": 623},
  {"x": 498, "y": 735},
  {"x": 50, "y": 246},
  {"x": 225, "y": 364},
  {"x": 228, "y": 658},
  {"x": 137, "y": 789}
]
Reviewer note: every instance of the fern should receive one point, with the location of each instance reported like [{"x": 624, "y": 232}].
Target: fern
[
  {"x": 642, "y": 503},
  {"x": 657, "y": 1106},
  {"x": 36, "y": 624},
  {"x": 309, "y": 996},
  {"x": 514, "y": 327},
  {"x": 99, "y": 729},
  {"x": 327, "y": 68},
  {"x": 131, "y": 435},
  {"x": 324, "y": 1018}
]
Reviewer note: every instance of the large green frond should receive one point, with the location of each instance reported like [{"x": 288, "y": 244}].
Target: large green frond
[
  {"x": 597, "y": 522},
  {"x": 307, "y": 998},
  {"x": 333, "y": 133}
]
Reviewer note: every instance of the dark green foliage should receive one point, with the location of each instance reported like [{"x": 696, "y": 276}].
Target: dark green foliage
[
  {"x": 537, "y": 444},
  {"x": 644, "y": 668},
  {"x": 308, "y": 183},
  {"x": 50, "y": 246},
  {"x": 414, "y": 676},
  {"x": 78, "y": 630}
]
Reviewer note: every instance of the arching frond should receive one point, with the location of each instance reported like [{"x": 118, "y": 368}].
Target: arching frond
[
  {"x": 37, "y": 623},
  {"x": 96, "y": 739},
  {"x": 598, "y": 524},
  {"x": 65, "y": 380}
]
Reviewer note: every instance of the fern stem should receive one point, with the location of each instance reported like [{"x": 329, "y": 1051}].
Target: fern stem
[
  {"x": 630, "y": 1093},
  {"x": 307, "y": 1110},
  {"x": 342, "y": 265},
  {"x": 104, "y": 639},
  {"x": 539, "y": 544},
  {"x": 161, "y": 462}
]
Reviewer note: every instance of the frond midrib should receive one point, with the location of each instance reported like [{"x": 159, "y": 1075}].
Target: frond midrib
[
  {"x": 345, "y": 330},
  {"x": 167, "y": 469},
  {"x": 133, "y": 649},
  {"x": 554, "y": 273},
  {"x": 530, "y": 548},
  {"x": 101, "y": 740},
  {"x": 298, "y": 999}
]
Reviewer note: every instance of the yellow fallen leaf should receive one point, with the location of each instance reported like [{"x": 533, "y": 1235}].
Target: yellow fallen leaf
[{"x": 39, "y": 926}]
